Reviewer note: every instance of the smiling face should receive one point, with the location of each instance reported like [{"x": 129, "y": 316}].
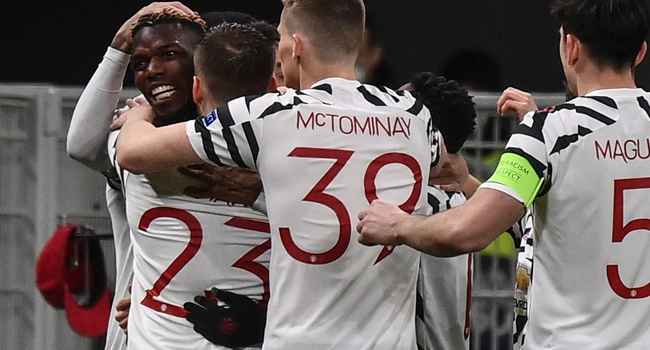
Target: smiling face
[{"x": 162, "y": 62}]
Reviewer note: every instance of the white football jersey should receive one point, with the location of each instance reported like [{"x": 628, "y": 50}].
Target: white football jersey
[
  {"x": 115, "y": 202},
  {"x": 183, "y": 247},
  {"x": 592, "y": 267},
  {"x": 444, "y": 289},
  {"x": 324, "y": 154}
]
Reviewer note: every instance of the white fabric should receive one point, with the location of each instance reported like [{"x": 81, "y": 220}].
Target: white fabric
[
  {"x": 93, "y": 114},
  {"x": 115, "y": 337},
  {"x": 444, "y": 286},
  {"x": 183, "y": 247},
  {"x": 583, "y": 222},
  {"x": 86, "y": 143},
  {"x": 337, "y": 296}
]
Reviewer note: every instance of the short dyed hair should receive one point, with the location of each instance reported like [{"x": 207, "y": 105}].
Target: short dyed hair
[
  {"x": 452, "y": 109},
  {"x": 215, "y": 18},
  {"x": 191, "y": 22},
  {"x": 612, "y": 30},
  {"x": 235, "y": 60},
  {"x": 334, "y": 27}
]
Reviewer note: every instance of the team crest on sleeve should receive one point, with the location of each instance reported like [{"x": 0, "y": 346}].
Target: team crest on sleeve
[{"x": 210, "y": 118}]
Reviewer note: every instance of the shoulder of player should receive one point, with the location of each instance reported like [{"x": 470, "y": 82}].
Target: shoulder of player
[{"x": 581, "y": 113}]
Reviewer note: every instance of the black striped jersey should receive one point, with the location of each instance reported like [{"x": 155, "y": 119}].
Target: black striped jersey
[
  {"x": 323, "y": 155},
  {"x": 444, "y": 289},
  {"x": 591, "y": 221}
]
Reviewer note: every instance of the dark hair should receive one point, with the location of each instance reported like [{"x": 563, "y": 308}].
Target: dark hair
[
  {"x": 235, "y": 60},
  {"x": 215, "y": 18},
  {"x": 612, "y": 30},
  {"x": 451, "y": 107},
  {"x": 269, "y": 31},
  {"x": 190, "y": 22},
  {"x": 335, "y": 27}
]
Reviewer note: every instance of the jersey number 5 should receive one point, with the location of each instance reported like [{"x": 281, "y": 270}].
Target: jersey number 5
[
  {"x": 619, "y": 232},
  {"x": 317, "y": 195}
]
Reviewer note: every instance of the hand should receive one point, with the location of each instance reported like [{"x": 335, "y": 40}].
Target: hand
[
  {"x": 453, "y": 174},
  {"x": 226, "y": 183},
  {"x": 517, "y": 101},
  {"x": 123, "y": 39},
  {"x": 378, "y": 224},
  {"x": 241, "y": 323},
  {"x": 135, "y": 108},
  {"x": 122, "y": 316}
]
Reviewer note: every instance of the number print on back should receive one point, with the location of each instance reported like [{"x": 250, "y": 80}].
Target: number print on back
[
  {"x": 317, "y": 195},
  {"x": 196, "y": 237}
]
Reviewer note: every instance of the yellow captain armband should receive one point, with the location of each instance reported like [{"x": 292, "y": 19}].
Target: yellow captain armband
[{"x": 515, "y": 172}]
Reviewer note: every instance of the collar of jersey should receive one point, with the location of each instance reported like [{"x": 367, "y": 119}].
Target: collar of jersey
[
  {"x": 337, "y": 82},
  {"x": 618, "y": 92}
]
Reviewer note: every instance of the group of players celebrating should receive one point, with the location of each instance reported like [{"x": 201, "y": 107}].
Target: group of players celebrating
[{"x": 235, "y": 227}]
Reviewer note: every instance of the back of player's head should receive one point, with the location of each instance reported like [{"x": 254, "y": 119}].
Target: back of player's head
[
  {"x": 235, "y": 60},
  {"x": 191, "y": 23},
  {"x": 333, "y": 27},
  {"x": 612, "y": 30},
  {"x": 451, "y": 107},
  {"x": 215, "y": 18}
]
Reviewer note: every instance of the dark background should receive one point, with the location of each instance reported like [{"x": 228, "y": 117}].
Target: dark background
[{"x": 61, "y": 42}]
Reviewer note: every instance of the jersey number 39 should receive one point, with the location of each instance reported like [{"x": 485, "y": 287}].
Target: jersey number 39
[{"x": 317, "y": 195}]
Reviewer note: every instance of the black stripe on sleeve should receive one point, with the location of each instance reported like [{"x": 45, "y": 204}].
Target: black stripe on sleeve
[
  {"x": 588, "y": 112},
  {"x": 277, "y": 107},
  {"x": 607, "y": 101},
  {"x": 208, "y": 147},
  {"x": 644, "y": 104},
  {"x": 324, "y": 87},
  {"x": 537, "y": 166},
  {"x": 252, "y": 140},
  {"x": 534, "y": 131},
  {"x": 385, "y": 90},
  {"x": 433, "y": 202},
  {"x": 370, "y": 97},
  {"x": 249, "y": 99},
  {"x": 419, "y": 306},
  {"x": 416, "y": 108},
  {"x": 565, "y": 141},
  {"x": 225, "y": 117}
]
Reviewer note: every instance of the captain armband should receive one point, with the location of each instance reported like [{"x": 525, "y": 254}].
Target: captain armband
[{"x": 515, "y": 172}]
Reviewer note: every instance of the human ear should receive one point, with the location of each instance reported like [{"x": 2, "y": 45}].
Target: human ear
[
  {"x": 197, "y": 94},
  {"x": 297, "y": 48},
  {"x": 641, "y": 54},
  {"x": 573, "y": 49}
]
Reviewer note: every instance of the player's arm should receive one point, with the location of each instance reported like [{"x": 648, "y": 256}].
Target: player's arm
[
  {"x": 225, "y": 183},
  {"x": 467, "y": 228},
  {"x": 93, "y": 114},
  {"x": 144, "y": 148},
  {"x": 88, "y": 132},
  {"x": 494, "y": 208}
]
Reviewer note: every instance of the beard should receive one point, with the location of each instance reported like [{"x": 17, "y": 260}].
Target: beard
[{"x": 570, "y": 95}]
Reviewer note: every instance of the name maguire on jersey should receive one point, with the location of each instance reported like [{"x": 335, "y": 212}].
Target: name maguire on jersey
[{"x": 626, "y": 150}]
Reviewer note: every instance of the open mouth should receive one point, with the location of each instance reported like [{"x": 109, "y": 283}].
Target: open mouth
[{"x": 163, "y": 92}]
